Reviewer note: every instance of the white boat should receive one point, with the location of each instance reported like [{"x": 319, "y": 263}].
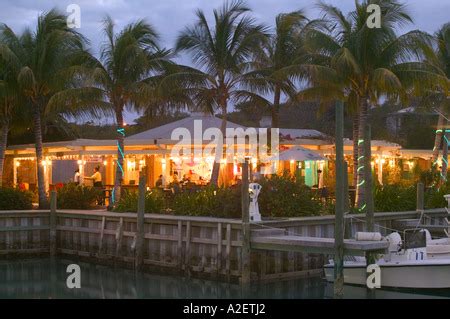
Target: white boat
[
  {"x": 401, "y": 268},
  {"x": 437, "y": 248}
]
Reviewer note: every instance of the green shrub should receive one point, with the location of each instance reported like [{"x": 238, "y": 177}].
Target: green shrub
[
  {"x": 11, "y": 199},
  {"x": 434, "y": 197},
  {"x": 394, "y": 198},
  {"x": 72, "y": 196},
  {"x": 283, "y": 196},
  {"x": 210, "y": 201},
  {"x": 154, "y": 201}
]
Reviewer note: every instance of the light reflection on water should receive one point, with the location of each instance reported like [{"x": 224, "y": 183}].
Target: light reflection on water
[{"x": 38, "y": 278}]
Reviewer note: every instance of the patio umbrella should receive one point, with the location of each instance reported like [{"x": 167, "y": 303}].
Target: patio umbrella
[{"x": 298, "y": 153}]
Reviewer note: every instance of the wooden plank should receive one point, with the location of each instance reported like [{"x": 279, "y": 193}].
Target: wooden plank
[
  {"x": 263, "y": 264},
  {"x": 228, "y": 251},
  {"x": 102, "y": 232},
  {"x": 23, "y": 228},
  {"x": 219, "y": 247},
  {"x": 245, "y": 250},
  {"x": 53, "y": 223},
  {"x": 140, "y": 223},
  {"x": 291, "y": 261},
  {"x": 180, "y": 244},
  {"x": 119, "y": 237},
  {"x": 24, "y": 251},
  {"x": 316, "y": 244},
  {"x": 188, "y": 247},
  {"x": 202, "y": 250}
]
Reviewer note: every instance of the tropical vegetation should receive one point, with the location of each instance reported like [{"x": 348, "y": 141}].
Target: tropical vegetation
[{"x": 50, "y": 73}]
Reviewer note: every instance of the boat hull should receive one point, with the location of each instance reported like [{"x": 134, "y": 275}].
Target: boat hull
[{"x": 433, "y": 275}]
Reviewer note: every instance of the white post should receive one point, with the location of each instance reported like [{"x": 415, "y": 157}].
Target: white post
[
  {"x": 15, "y": 172},
  {"x": 45, "y": 164},
  {"x": 254, "y": 190},
  {"x": 80, "y": 163},
  {"x": 380, "y": 169},
  {"x": 164, "y": 170}
]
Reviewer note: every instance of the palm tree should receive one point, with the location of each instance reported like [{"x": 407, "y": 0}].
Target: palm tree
[
  {"x": 361, "y": 64},
  {"x": 42, "y": 60},
  {"x": 126, "y": 75},
  {"x": 284, "y": 48},
  {"x": 221, "y": 54},
  {"x": 6, "y": 108},
  {"x": 441, "y": 59}
]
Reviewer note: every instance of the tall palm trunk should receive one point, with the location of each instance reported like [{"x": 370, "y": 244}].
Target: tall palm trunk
[
  {"x": 3, "y": 142},
  {"x": 219, "y": 148},
  {"x": 438, "y": 138},
  {"x": 276, "y": 108},
  {"x": 444, "y": 169},
  {"x": 120, "y": 154},
  {"x": 37, "y": 127},
  {"x": 355, "y": 149},
  {"x": 360, "y": 187}
]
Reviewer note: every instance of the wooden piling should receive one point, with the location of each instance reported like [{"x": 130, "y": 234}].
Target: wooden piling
[
  {"x": 347, "y": 224},
  {"x": 346, "y": 193},
  {"x": 370, "y": 222},
  {"x": 420, "y": 197},
  {"x": 368, "y": 180},
  {"x": 245, "y": 252},
  {"x": 53, "y": 198},
  {"x": 339, "y": 210},
  {"x": 140, "y": 222}
]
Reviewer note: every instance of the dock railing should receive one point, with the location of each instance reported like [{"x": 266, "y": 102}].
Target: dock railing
[{"x": 201, "y": 246}]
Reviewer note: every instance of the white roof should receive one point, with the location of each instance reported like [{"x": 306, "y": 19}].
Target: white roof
[
  {"x": 206, "y": 121},
  {"x": 199, "y": 120},
  {"x": 299, "y": 153},
  {"x": 300, "y": 133},
  {"x": 376, "y": 143}
]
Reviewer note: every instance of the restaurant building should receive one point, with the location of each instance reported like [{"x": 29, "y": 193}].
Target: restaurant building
[{"x": 153, "y": 152}]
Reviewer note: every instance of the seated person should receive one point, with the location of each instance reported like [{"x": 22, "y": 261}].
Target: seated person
[
  {"x": 175, "y": 179},
  {"x": 160, "y": 182}
]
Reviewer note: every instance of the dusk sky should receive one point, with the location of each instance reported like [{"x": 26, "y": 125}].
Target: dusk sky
[{"x": 170, "y": 16}]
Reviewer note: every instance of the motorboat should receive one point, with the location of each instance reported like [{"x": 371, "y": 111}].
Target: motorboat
[
  {"x": 437, "y": 248},
  {"x": 406, "y": 264}
]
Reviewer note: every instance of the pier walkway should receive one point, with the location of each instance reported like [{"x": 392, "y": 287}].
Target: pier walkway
[{"x": 278, "y": 240}]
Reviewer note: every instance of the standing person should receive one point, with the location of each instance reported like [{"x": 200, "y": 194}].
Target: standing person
[
  {"x": 97, "y": 177},
  {"x": 320, "y": 173},
  {"x": 323, "y": 191},
  {"x": 77, "y": 177}
]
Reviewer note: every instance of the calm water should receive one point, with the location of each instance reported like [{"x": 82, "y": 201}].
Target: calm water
[{"x": 38, "y": 278}]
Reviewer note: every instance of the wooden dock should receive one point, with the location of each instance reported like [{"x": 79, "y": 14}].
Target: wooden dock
[
  {"x": 199, "y": 246},
  {"x": 316, "y": 245}
]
